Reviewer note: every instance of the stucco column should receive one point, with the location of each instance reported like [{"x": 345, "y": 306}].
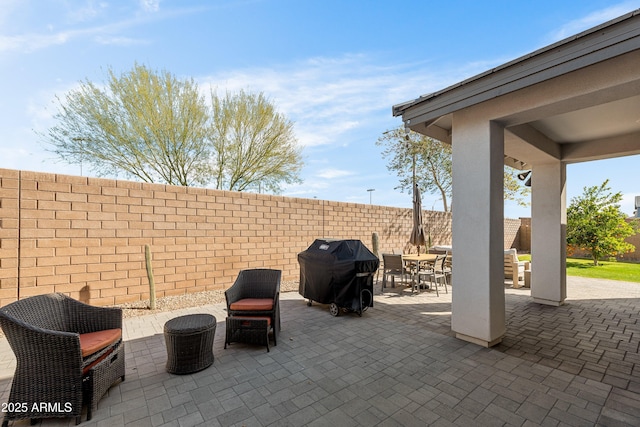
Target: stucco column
[
  {"x": 548, "y": 234},
  {"x": 478, "y": 310}
]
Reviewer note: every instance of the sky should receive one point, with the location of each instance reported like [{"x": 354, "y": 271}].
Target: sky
[{"x": 334, "y": 68}]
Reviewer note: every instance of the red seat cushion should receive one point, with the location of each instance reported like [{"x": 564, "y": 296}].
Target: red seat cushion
[
  {"x": 252, "y": 304},
  {"x": 95, "y": 341}
]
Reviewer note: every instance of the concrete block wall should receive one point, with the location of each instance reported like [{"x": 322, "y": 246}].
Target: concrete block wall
[
  {"x": 9, "y": 235},
  {"x": 524, "y": 235},
  {"x": 635, "y": 241},
  {"x": 517, "y": 234},
  {"x": 86, "y": 236}
]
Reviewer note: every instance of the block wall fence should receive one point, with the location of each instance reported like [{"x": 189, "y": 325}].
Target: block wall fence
[
  {"x": 635, "y": 241},
  {"x": 86, "y": 237}
]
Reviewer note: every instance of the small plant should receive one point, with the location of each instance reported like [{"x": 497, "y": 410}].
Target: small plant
[
  {"x": 152, "y": 284},
  {"x": 375, "y": 244}
]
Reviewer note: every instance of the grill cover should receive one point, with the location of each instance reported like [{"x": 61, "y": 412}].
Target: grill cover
[{"x": 338, "y": 271}]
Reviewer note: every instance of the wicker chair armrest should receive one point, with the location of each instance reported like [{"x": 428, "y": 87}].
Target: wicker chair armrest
[
  {"x": 233, "y": 294},
  {"x": 41, "y": 346},
  {"x": 84, "y": 318},
  {"x": 13, "y": 324}
]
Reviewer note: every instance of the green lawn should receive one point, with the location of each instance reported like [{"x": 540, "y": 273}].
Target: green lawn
[
  {"x": 625, "y": 271},
  {"x": 616, "y": 270}
]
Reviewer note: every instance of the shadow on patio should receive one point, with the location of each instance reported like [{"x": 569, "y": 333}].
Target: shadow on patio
[{"x": 396, "y": 365}]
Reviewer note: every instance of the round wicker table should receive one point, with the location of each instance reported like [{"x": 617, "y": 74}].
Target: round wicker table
[{"x": 189, "y": 341}]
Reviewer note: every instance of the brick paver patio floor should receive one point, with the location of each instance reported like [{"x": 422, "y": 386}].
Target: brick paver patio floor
[{"x": 397, "y": 365}]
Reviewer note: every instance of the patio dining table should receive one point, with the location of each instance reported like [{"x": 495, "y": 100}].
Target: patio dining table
[
  {"x": 419, "y": 258},
  {"x": 414, "y": 260}
]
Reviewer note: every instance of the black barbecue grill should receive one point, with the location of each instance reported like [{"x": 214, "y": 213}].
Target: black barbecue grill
[{"x": 338, "y": 273}]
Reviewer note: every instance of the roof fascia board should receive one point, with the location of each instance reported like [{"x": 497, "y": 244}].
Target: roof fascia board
[{"x": 596, "y": 45}]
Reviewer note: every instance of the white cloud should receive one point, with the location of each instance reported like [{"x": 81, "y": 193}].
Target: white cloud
[
  {"x": 593, "y": 19},
  {"x": 58, "y": 24},
  {"x": 31, "y": 42},
  {"x": 333, "y": 173},
  {"x": 150, "y": 5},
  {"x": 7, "y": 8},
  {"x": 88, "y": 12},
  {"x": 330, "y": 97},
  {"x": 114, "y": 23},
  {"x": 120, "y": 41}
]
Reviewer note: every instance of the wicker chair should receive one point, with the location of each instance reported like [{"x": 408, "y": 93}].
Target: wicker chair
[
  {"x": 52, "y": 378},
  {"x": 255, "y": 294}
]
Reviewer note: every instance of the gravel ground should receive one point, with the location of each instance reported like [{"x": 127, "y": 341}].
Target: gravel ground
[{"x": 140, "y": 308}]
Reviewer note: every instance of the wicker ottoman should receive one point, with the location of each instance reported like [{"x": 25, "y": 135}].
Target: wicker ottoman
[
  {"x": 102, "y": 376},
  {"x": 189, "y": 341},
  {"x": 248, "y": 330}
]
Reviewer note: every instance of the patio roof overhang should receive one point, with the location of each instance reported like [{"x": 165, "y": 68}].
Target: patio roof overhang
[
  {"x": 575, "y": 100},
  {"x": 597, "y": 116}
]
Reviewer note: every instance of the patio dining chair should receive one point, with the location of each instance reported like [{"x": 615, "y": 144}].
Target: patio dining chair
[
  {"x": 393, "y": 267},
  {"x": 436, "y": 274},
  {"x": 448, "y": 269}
]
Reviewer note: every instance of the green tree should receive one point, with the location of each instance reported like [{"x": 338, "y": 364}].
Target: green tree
[
  {"x": 157, "y": 128},
  {"x": 596, "y": 225},
  {"x": 142, "y": 123},
  {"x": 432, "y": 162},
  {"x": 254, "y": 146},
  {"x": 514, "y": 189}
]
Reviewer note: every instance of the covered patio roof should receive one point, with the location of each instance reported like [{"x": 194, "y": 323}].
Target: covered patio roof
[
  {"x": 598, "y": 121},
  {"x": 573, "y": 101}
]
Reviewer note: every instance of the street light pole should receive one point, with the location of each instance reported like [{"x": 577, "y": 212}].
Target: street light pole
[{"x": 370, "y": 190}]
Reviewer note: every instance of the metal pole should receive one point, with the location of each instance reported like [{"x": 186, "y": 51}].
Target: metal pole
[
  {"x": 412, "y": 147},
  {"x": 413, "y": 163}
]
